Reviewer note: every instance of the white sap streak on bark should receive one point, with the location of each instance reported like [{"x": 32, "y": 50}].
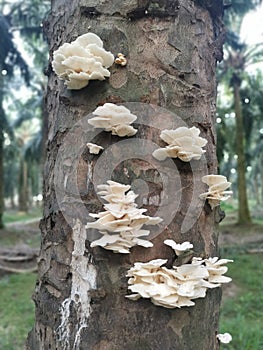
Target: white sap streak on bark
[
  {"x": 65, "y": 181},
  {"x": 83, "y": 280},
  {"x": 89, "y": 175}
]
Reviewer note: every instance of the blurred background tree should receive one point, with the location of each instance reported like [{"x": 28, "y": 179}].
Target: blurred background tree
[
  {"x": 236, "y": 112},
  {"x": 22, "y": 85}
]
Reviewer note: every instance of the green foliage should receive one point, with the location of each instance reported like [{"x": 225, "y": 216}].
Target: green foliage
[
  {"x": 242, "y": 315},
  {"x": 228, "y": 207},
  {"x": 236, "y": 10},
  {"x": 16, "y": 310},
  {"x": 27, "y": 17}
]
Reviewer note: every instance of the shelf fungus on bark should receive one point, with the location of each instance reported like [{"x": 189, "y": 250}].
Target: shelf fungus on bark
[
  {"x": 216, "y": 190},
  {"x": 82, "y": 60},
  {"x": 93, "y": 148},
  {"x": 183, "y": 143},
  {"x": 178, "y": 286},
  {"x": 114, "y": 118},
  {"x": 177, "y": 247},
  {"x": 121, "y": 222}
]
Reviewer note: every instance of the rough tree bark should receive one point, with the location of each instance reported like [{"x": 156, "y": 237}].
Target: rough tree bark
[{"x": 172, "y": 48}]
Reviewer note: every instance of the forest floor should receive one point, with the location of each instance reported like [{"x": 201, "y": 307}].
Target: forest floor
[{"x": 21, "y": 233}]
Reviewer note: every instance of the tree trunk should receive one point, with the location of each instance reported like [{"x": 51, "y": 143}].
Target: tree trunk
[
  {"x": 261, "y": 175},
  {"x": 1, "y": 178},
  {"x": 1, "y": 152},
  {"x": 172, "y": 47},
  {"x": 243, "y": 210},
  {"x": 256, "y": 188},
  {"x": 23, "y": 186}
]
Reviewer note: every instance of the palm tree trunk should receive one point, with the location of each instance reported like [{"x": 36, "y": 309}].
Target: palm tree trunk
[
  {"x": 256, "y": 188},
  {"x": 80, "y": 295},
  {"x": 243, "y": 209},
  {"x": 261, "y": 175},
  {"x": 23, "y": 186},
  {"x": 1, "y": 153},
  {"x": 1, "y": 178}
]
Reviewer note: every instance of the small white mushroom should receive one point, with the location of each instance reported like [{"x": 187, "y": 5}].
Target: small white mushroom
[
  {"x": 216, "y": 191},
  {"x": 224, "y": 338},
  {"x": 82, "y": 60},
  {"x": 114, "y": 118},
  {"x": 93, "y": 148},
  {"x": 121, "y": 59},
  {"x": 178, "y": 248},
  {"x": 183, "y": 143}
]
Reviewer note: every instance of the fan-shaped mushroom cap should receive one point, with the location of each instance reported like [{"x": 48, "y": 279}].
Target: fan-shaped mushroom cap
[
  {"x": 184, "y": 143},
  {"x": 216, "y": 191},
  {"x": 178, "y": 248},
  {"x": 93, "y": 148},
  {"x": 114, "y": 118}
]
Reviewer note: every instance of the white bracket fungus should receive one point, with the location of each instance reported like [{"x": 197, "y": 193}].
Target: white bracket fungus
[
  {"x": 183, "y": 143},
  {"x": 178, "y": 248},
  {"x": 179, "y": 286},
  {"x": 82, "y": 60},
  {"x": 224, "y": 338},
  {"x": 93, "y": 148},
  {"x": 216, "y": 269},
  {"x": 121, "y": 59},
  {"x": 216, "y": 191},
  {"x": 114, "y": 118},
  {"x": 122, "y": 218}
]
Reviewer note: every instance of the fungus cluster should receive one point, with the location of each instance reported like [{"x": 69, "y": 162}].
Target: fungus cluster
[
  {"x": 82, "y": 60},
  {"x": 114, "y": 118},
  {"x": 216, "y": 190},
  {"x": 183, "y": 143},
  {"x": 179, "y": 286},
  {"x": 122, "y": 218}
]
